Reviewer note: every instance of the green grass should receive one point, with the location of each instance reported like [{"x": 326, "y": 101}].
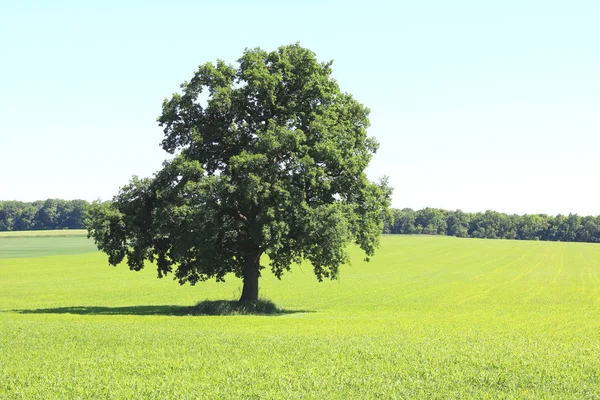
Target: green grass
[
  {"x": 29, "y": 234},
  {"x": 428, "y": 317},
  {"x": 29, "y": 244}
]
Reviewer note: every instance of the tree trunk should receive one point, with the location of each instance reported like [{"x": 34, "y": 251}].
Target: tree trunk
[{"x": 251, "y": 273}]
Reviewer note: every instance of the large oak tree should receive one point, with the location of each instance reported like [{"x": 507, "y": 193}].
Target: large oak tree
[{"x": 269, "y": 159}]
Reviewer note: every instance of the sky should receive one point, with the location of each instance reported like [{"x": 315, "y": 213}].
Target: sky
[{"x": 477, "y": 105}]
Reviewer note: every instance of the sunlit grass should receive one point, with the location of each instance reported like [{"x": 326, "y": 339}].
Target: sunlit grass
[
  {"x": 429, "y": 317},
  {"x": 60, "y": 233},
  {"x": 44, "y": 243}
]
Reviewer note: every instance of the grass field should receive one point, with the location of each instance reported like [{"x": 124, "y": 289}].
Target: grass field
[
  {"x": 428, "y": 317},
  {"x": 29, "y": 234},
  {"x": 29, "y": 244}
]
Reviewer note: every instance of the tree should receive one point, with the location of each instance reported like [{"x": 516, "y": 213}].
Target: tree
[
  {"x": 589, "y": 230},
  {"x": 507, "y": 225},
  {"x": 269, "y": 159},
  {"x": 71, "y": 214},
  {"x": 47, "y": 214},
  {"x": 532, "y": 226},
  {"x": 27, "y": 218},
  {"x": 404, "y": 221},
  {"x": 491, "y": 225},
  {"x": 571, "y": 227},
  {"x": 9, "y": 214},
  {"x": 457, "y": 223},
  {"x": 431, "y": 221}
]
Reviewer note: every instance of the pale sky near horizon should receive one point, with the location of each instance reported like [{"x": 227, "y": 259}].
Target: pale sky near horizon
[{"x": 477, "y": 105}]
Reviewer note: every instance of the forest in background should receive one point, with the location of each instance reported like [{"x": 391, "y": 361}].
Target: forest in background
[
  {"x": 69, "y": 214},
  {"x": 494, "y": 225},
  {"x": 42, "y": 215}
]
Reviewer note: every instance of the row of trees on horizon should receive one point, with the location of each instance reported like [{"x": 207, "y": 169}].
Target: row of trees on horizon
[
  {"x": 70, "y": 214},
  {"x": 494, "y": 225},
  {"x": 42, "y": 215}
]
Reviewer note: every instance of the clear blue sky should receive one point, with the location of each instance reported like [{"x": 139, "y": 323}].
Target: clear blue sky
[{"x": 477, "y": 104}]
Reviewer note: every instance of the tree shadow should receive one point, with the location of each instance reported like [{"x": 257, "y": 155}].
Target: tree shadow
[
  {"x": 98, "y": 310},
  {"x": 204, "y": 308}
]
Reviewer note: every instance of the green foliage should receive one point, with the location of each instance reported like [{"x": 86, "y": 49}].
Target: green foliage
[
  {"x": 42, "y": 215},
  {"x": 402, "y": 221},
  {"x": 271, "y": 163},
  {"x": 494, "y": 225},
  {"x": 428, "y": 317},
  {"x": 431, "y": 221},
  {"x": 458, "y": 224}
]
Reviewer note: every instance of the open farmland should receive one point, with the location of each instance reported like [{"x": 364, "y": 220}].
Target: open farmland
[
  {"x": 428, "y": 317},
  {"x": 30, "y": 244}
]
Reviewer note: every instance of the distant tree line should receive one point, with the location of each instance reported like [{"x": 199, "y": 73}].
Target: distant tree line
[
  {"x": 42, "y": 214},
  {"x": 69, "y": 214},
  {"x": 495, "y": 225}
]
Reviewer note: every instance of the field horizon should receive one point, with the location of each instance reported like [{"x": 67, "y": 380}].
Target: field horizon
[{"x": 428, "y": 317}]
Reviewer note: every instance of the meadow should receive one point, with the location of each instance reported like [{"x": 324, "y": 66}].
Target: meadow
[{"x": 429, "y": 317}]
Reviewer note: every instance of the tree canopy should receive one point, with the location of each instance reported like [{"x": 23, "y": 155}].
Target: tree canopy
[
  {"x": 269, "y": 158},
  {"x": 494, "y": 225},
  {"x": 42, "y": 214}
]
